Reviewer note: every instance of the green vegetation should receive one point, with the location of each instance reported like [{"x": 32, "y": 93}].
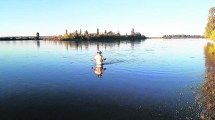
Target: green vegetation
[{"x": 210, "y": 28}]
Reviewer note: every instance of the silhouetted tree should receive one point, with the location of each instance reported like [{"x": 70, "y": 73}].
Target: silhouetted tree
[
  {"x": 97, "y": 31},
  {"x": 86, "y": 33},
  {"x": 105, "y": 32}
]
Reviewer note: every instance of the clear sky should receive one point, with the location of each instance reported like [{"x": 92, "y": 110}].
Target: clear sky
[{"x": 150, "y": 17}]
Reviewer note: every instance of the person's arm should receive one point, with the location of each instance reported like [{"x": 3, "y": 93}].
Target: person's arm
[
  {"x": 93, "y": 58},
  {"x": 103, "y": 58},
  {"x": 92, "y": 69}
]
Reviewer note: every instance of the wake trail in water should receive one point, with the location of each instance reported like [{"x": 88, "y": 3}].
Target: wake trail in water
[{"x": 113, "y": 62}]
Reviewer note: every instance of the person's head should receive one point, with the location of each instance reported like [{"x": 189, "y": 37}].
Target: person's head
[{"x": 99, "y": 52}]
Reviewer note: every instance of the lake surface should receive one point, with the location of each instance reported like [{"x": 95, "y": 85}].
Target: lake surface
[{"x": 152, "y": 79}]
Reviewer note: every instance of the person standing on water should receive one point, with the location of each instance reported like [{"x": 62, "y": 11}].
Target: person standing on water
[
  {"x": 99, "y": 58},
  {"x": 99, "y": 64}
]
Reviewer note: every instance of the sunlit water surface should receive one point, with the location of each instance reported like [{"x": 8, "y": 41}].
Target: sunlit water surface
[{"x": 151, "y": 79}]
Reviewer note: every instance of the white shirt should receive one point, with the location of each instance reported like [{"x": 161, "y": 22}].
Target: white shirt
[{"x": 99, "y": 59}]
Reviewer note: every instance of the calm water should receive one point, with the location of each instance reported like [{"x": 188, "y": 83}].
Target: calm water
[{"x": 153, "y": 79}]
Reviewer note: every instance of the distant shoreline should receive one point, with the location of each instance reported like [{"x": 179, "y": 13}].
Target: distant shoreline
[
  {"x": 92, "y": 38},
  {"x": 181, "y": 36},
  {"x": 100, "y": 37}
]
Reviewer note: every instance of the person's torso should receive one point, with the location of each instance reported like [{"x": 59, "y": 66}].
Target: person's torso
[{"x": 98, "y": 58}]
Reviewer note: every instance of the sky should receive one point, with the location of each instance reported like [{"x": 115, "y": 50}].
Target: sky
[{"x": 152, "y": 18}]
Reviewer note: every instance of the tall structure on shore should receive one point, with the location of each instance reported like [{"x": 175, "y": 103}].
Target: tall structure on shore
[
  {"x": 37, "y": 36},
  {"x": 80, "y": 32},
  {"x": 132, "y": 31},
  {"x": 97, "y": 31},
  {"x": 105, "y": 32}
]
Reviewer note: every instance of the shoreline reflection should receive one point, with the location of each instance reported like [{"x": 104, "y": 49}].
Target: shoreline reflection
[
  {"x": 98, "y": 44},
  {"x": 207, "y": 90},
  {"x": 38, "y": 44}
]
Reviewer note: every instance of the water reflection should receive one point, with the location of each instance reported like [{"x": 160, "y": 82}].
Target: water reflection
[
  {"x": 207, "y": 100},
  {"x": 142, "y": 81},
  {"x": 98, "y": 44},
  {"x": 99, "y": 70},
  {"x": 38, "y": 43}
]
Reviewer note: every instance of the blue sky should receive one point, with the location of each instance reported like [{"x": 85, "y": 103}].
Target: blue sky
[{"x": 150, "y": 17}]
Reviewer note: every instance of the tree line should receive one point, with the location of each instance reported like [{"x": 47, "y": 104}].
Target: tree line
[{"x": 97, "y": 36}]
